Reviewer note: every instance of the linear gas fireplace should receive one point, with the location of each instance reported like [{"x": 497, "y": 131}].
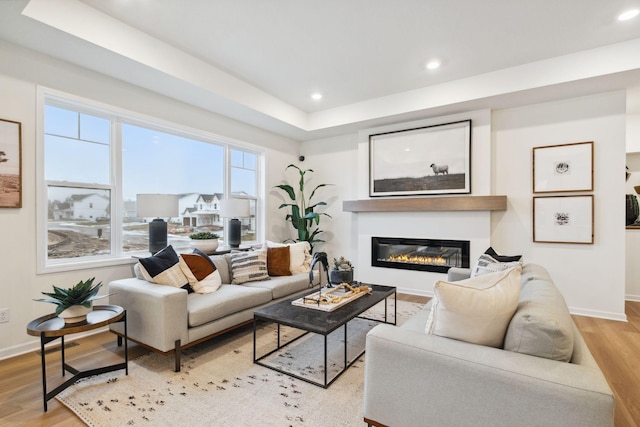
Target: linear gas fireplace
[{"x": 419, "y": 254}]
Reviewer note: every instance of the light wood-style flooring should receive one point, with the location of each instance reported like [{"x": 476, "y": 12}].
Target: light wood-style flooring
[{"x": 615, "y": 345}]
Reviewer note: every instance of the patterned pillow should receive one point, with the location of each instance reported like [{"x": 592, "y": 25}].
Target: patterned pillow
[
  {"x": 202, "y": 275},
  {"x": 488, "y": 264},
  {"x": 163, "y": 268},
  {"x": 278, "y": 260},
  {"x": 249, "y": 266},
  {"x": 502, "y": 258}
]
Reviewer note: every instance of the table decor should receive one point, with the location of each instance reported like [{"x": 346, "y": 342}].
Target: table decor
[{"x": 74, "y": 303}]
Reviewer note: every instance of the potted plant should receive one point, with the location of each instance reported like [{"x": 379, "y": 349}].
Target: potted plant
[
  {"x": 74, "y": 303},
  {"x": 206, "y": 241},
  {"x": 342, "y": 271},
  {"x": 302, "y": 214}
]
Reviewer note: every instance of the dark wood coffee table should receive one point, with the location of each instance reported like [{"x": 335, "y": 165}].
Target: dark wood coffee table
[
  {"x": 52, "y": 327},
  {"x": 321, "y": 323}
]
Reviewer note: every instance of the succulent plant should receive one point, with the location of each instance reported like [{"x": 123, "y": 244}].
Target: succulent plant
[
  {"x": 83, "y": 293},
  {"x": 203, "y": 235},
  {"x": 342, "y": 264}
]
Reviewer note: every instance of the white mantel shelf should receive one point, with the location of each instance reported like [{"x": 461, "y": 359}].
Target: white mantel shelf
[{"x": 413, "y": 204}]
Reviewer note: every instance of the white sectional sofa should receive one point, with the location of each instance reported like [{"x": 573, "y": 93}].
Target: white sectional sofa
[
  {"x": 417, "y": 379},
  {"x": 168, "y": 319}
]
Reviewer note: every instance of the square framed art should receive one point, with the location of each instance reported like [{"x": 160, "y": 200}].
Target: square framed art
[
  {"x": 567, "y": 167},
  {"x": 563, "y": 219}
]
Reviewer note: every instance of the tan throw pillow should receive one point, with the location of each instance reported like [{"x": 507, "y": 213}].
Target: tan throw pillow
[
  {"x": 249, "y": 266},
  {"x": 200, "y": 272},
  {"x": 278, "y": 261},
  {"x": 475, "y": 310},
  {"x": 299, "y": 253}
]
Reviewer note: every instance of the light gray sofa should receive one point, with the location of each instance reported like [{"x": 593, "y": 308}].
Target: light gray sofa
[
  {"x": 416, "y": 379},
  {"x": 168, "y": 319}
]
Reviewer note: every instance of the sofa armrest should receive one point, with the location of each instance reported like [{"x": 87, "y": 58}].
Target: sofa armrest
[
  {"x": 411, "y": 377},
  {"x": 156, "y": 314},
  {"x": 458, "y": 273}
]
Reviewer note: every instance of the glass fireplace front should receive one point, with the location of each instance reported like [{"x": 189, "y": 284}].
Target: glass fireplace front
[{"x": 419, "y": 254}]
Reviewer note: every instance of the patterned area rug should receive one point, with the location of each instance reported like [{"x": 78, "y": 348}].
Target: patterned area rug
[{"x": 219, "y": 384}]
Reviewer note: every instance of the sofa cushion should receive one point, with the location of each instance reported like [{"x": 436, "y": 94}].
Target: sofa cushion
[
  {"x": 163, "y": 268},
  {"x": 228, "y": 299},
  {"x": 282, "y": 286},
  {"x": 502, "y": 258},
  {"x": 249, "y": 266},
  {"x": 201, "y": 273},
  {"x": 278, "y": 260},
  {"x": 475, "y": 310},
  {"x": 542, "y": 325}
]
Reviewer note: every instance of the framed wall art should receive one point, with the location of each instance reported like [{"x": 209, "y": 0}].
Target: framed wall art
[
  {"x": 427, "y": 160},
  {"x": 10, "y": 164},
  {"x": 567, "y": 167},
  {"x": 563, "y": 219}
]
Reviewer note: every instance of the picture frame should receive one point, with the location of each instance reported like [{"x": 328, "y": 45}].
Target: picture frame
[
  {"x": 421, "y": 161},
  {"x": 563, "y": 219},
  {"x": 10, "y": 164},
  {"x": 563, "y": 168}
]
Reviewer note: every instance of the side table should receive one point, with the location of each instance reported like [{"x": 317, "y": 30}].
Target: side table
[{"x": 52, "y": 327}]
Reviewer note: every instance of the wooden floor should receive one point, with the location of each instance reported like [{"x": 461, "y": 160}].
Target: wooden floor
[{"x": 615, "y": 345}]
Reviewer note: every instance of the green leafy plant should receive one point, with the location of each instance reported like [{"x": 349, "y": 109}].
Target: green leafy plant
[
  {"x": 342, "y": 264},
  {"x": 303, "y": 215},
  {"x": 84, "y": 293},
  {"x": 203, "y": 235}
]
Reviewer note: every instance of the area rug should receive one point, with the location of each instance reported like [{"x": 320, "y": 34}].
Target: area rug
[{"x": 219, "y": 385}]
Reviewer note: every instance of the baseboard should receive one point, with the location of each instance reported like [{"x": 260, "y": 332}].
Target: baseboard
[
  {"x": 31, "y": 346},
  {"x": 599, "y": 314},
  {"x": 414, "y": 292},
  {"x": 629, "y": 297}
]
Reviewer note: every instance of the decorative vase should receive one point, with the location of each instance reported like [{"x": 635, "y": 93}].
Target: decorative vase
[
  {"x": 341, "y": 276},
  {"x": 75, "y": 314},
  {"x": 632, "y": 209},
  {"x": 206, "y": 245}
]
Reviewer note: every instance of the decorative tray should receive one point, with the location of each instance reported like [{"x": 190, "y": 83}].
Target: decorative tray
[{"x": 332, "y": 298}]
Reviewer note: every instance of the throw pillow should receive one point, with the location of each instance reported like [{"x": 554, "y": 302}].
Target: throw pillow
[
  {"x": 475, "y": 310},
  {"x": 249, "y": 266},
  {"x": 163, "y": 268},
  {"x": 502, "y": 258},
  {"x": 278, "y": 260},
  {"x": 488, "y": 264},
  {"x": 300, "y": 255},
  {"x": 202, "y": 275}
]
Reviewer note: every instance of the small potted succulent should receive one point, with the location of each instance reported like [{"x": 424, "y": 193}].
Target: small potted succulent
[
  {"x": 206, "y": 241},
  {"x": 74, "y": 303},
  {"x": 342, "y": 271}
]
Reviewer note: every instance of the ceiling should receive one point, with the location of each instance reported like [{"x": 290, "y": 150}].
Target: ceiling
[{"x": 259, "y": 61}]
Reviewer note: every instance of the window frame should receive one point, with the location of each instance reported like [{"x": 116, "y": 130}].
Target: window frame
[{"x": 118, "y": 117}]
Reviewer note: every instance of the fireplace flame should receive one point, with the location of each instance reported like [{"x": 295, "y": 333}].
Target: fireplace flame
[{"x": 418, "y": 259}]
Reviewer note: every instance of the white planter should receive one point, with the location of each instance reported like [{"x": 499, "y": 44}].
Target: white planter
[
  {"x": 207, "y": 246},
  {"x": 75, "y": 314}
]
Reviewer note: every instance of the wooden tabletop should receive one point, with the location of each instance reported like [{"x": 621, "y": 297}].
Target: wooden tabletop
[{"x": 51, "y": 325}]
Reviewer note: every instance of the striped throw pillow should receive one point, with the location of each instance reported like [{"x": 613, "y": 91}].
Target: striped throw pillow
[{"x": 249, "y": 266}]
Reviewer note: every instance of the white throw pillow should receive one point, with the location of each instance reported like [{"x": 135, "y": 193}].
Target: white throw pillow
[
  {"x": 475, "y": 310},
  {"x": 299, "y": 255},
  {"x": 488, "y": 264}
]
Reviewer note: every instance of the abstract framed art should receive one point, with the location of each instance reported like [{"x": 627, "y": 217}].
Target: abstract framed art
[
  {"x": 563, "y": 219},
  {"x": 10, "y": 164},
  {"x": 566, "y": 167},
  {"x": 421, "y": 161}
]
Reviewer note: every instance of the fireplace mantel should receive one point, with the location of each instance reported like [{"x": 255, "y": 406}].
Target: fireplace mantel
[{"x": 412, "y": 204}]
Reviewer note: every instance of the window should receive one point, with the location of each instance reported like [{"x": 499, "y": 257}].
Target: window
[{"x": 96, "y": 161}]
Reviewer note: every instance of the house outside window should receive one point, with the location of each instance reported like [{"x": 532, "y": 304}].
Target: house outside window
[{"x": 96, "y": 160}]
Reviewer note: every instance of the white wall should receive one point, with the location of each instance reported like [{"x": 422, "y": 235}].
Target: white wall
[
  {"x": 591, "y": 277},
  {"x": 20, "y": 71}
]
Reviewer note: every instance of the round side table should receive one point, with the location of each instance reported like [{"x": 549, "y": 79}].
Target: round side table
[{"x": 52, "y": 327}]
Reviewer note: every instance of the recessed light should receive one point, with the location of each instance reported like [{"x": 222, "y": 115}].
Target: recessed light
[
  {"x": 629, "y": 14},
  {"x": 433, "y": 64},
  {"x": 316, "y": 96}
]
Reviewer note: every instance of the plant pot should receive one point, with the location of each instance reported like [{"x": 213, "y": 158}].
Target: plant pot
[
  {"x": 341, "y": 276},
  {"x": 75, "y": 314},
  {"x": 207, "y": 245}
]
